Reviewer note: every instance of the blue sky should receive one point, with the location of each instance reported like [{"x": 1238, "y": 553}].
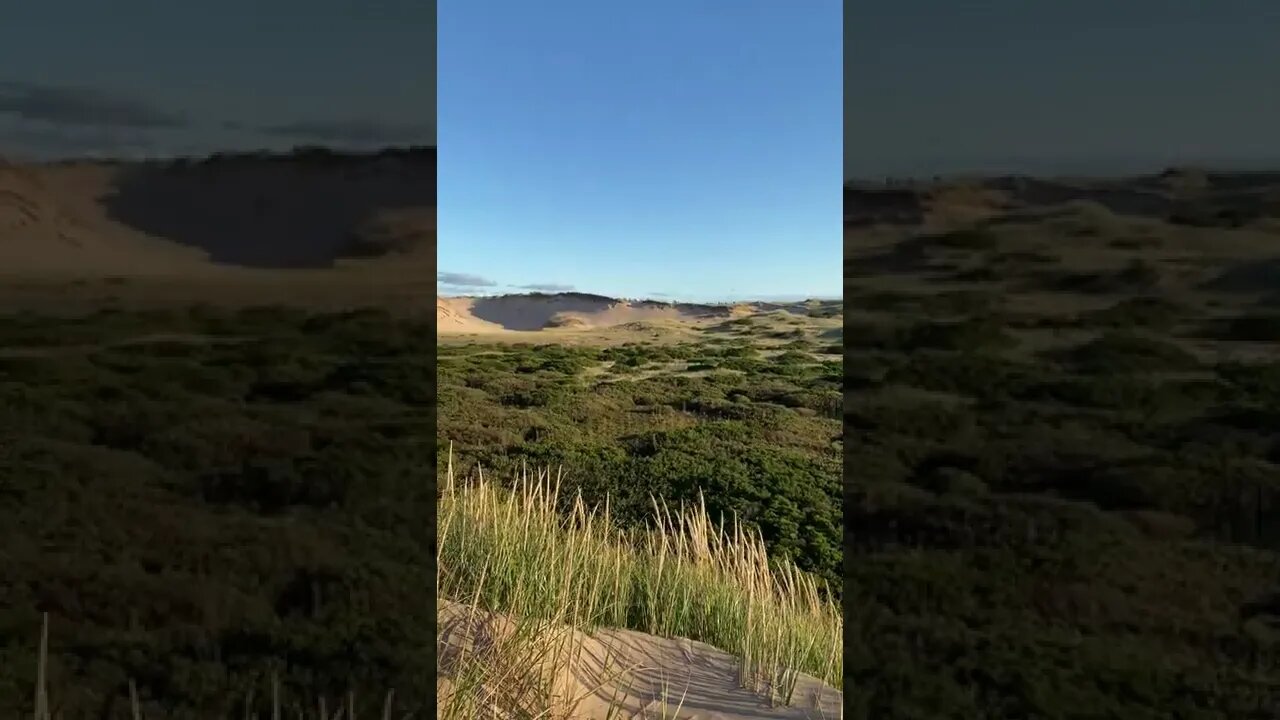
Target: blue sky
[
  {"x": 676, "y": 148},
  {"x": 147, "y": 77},
  {"x": 1091, "y": 86}
]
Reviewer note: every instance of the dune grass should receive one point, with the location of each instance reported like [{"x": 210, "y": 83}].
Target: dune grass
[{"x": 515, "y": 552}]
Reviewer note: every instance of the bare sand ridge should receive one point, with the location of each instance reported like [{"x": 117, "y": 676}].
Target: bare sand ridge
[
  {"x": 578, "y": 311},
  {"x": 223, "y": 217},
  {"x": 634, "y": 674}
]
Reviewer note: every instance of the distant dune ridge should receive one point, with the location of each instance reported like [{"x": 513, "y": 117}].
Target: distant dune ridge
[
  {"x": 311, "y": 208},
  {"x": 1183, "y": 230},
  {"x": 568, "y": 311},
  {"x": 1185, "y": 196}
]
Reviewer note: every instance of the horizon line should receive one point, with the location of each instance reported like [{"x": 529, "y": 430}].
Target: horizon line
[
  {"x": 1067, "y": 169},
  {"x": 655, "y": 297}
]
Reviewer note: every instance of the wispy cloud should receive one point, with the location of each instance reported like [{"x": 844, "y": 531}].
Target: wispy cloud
[
  {"x": 463, "y": 280},
  {"x": 42, "y": 120},
  {"x": 82, "y": 106},
  {"x": 41, "y": 140},
  {"x": 351, "y": 131}
]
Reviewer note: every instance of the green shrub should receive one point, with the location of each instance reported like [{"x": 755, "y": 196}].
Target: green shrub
[
  {"x": 973, "y": 238},
  {"x": 1126, "y": 353},
  {"x": 1252, "y": 328},
  {"x": 1142, "y": 312}
]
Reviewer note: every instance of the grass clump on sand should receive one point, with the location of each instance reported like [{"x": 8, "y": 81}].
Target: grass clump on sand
[{"x": 516, "y": 553}]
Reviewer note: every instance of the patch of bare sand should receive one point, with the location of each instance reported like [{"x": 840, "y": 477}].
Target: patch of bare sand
[
  {"x": 606, "y": 674},
  {"x": 48, "y": 225},
  {"x": 454, "y": 315}
]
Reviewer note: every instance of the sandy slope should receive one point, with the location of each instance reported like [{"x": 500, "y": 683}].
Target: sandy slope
[
  {"x": 577, "y": 311},
  {"x": 191, "y": 218},
  {"x": 50, "y": 223},
  {"x": 564, "y": 310},
  {"x": 643, "y": 675}
]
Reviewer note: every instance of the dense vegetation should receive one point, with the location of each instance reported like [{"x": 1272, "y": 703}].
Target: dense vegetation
[
  {"x": 756, "y": 432},
  {"x": 204, "y": 499},
  {"x": 1075, "y": 514}
]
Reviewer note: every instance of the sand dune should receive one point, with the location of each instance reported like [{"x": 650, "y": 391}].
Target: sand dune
[
  {"x": 260, "y": 211},
  {"x": 1182, "y": 196},
  {"x": 642, "y": 675},
  {"x": 578, "y": 311},
  {"x": 49, "y": 223},
  {"x": 565, "y": 311}
]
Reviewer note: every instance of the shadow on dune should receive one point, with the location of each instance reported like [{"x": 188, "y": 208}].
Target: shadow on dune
[
  {"x": 281, "y": 211},
  {"x": 538, "y": 312},
  {"x": 535, "y": 312}
]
